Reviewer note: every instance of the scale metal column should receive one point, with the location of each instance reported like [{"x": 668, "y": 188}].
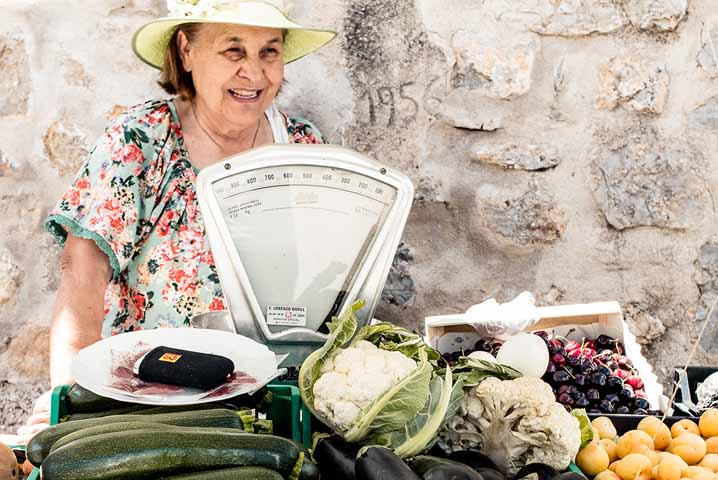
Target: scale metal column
[{"x": 298, "y": 233}]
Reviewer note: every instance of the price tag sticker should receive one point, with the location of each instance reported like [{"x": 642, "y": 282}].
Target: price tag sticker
[{"x": 286, "y": 315}]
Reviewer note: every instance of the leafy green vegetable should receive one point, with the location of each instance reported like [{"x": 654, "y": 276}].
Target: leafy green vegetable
[
  {"x": 397, "y": 406},
  {"x": 420, "y": 433},
  {"x": 585, "y": 425},
  {"x": 407, "y": 416},
  {"x": 294, "y": 475},
  {"x": 473, "y": 371},
  {"x": 388, "y": 336},
  {"x": 247, "y": 417}
]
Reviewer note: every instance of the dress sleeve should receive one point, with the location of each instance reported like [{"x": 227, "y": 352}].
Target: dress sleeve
[
  {"x": 303, "y": 131},
  {"x": 104, "y": 202}
]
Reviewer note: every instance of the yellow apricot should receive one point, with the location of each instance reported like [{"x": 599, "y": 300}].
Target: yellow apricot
[
  {"x": 592, "y": 459},
  {"x": 605, "y": 428},
  {"x": 610, "y": 447},
  {"x": 671, "y": 467},
  {"x": 607, "y": 475},
  {"x": 690, "y": 447},
  {"x": 683, "y": 426},
  {"x": 633, "y": 441},
  {"x": 657, "y": 430},
  {"x": 634, "y": 466},
  {"x": 708, "y": 423},
  {"x": 710, "y": 461},
  {"x": 712, "y": 445}
]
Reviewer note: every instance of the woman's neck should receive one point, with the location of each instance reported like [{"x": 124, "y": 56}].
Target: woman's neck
[
  {"x": 227, "y": 140},
  {"x": 207, "y": 144}
]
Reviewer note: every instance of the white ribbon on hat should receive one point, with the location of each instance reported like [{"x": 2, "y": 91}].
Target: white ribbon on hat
[
  {"x": 204, "y": 8},
  {"x": 190, "y": 8}
]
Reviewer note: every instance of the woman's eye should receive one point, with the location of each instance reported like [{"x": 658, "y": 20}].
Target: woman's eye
[
  {"x": 234, "y": 52},
  {"x": 271, "y": 51}
]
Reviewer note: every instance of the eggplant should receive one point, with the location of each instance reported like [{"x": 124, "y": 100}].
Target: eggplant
[
  {"x": 471, "y": 458},
  {"x": 435, "y": 468},
  {"x": 541, "y": 470},
  {"x": 379, "y": 463},
  {"x": 335, "y": 457},
  {"x": 491, "y": 474}
]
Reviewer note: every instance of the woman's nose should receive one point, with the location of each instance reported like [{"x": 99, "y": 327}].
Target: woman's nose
[{"x": 251, "y": 69}]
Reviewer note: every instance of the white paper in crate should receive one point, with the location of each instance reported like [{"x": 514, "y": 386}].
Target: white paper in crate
[
  {"x": 610, "y": 322},
  {"x": 93, "y": 366},
  {"x": 492, "y": 319}
]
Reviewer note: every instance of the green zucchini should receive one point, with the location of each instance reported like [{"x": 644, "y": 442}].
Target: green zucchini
[
  {"x": 153, "y": 410},
  {"x": 81, "y": 400},
  {"x": 106, "y": 413},
  {"x": 148, "y": 410},
  {"x": 107, "y": 428},
  {"x": 40, "y": 445},
  {"x": 239, "y": 473},
  {"x": 142, "y": 454}
]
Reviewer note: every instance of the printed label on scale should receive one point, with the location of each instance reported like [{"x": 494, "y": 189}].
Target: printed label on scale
[{"x": 287, "y": 315}]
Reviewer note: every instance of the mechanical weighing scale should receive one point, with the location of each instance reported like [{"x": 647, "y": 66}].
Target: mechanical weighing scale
[{"x": 298, "y": 234}]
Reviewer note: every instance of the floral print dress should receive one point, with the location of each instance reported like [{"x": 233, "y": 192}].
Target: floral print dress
[{"x": 135, "y": 198}]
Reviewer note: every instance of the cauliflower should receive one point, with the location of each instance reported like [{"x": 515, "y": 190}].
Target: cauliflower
[
  {"x": 354, "y": 377},
  {"x": 515, "y": 423}
]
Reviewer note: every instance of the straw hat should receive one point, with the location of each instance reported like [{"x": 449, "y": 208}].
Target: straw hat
[{"x": 150, "y": 41}]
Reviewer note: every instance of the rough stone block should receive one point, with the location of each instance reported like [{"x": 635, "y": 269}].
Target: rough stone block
[
  {"x": 400, "y": 288},
  {"x": 427, "y": 190},
  {"x": 467, "y": 111},
  {"x": 518, "y": 222},
  {"x": 495, "y": 71},
  {"x": 17, "y": 402},
  {"x": 15, "y": 80},
  {"x": 642, "y": 179},
  {"x": 656, "y": 15},
  {"x": 645, "y": 326},
  {"x": 75, "y": 73},
  {"x": 10, "y": 276},
  {"x": 706, "y": 277},
  {"x": 65, "y": 145},
  {"x": 708, "y": 51},
  {"x": 522, "y": 157},
  {"x": 576, "y": 18},
  {"x": 27, "y": 358},
  {"x": 5, "y": 166},
  {"x": 705, "y": 115},
  {"x": 632, "y": 82}
]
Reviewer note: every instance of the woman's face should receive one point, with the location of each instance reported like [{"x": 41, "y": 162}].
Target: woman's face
[{"x": 237, "y": 70}]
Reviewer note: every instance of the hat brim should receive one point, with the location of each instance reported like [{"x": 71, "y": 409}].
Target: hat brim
[{"x": 150, "y": 42}]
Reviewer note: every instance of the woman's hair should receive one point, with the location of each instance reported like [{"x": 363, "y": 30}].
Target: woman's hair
[{"x": 174, "y": 79}]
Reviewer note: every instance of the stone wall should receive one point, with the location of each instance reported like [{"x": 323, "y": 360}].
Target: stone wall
[{"x": 566, "y": 147}]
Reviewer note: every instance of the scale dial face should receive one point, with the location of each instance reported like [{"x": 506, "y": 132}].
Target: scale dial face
[{"x": 302, "y": 233}]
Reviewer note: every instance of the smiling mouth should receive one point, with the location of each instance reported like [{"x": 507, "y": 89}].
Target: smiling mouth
[{"x": 243, "y": 94}]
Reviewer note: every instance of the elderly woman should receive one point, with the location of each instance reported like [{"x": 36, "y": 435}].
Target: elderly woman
[{"x": 135, "y": 254}]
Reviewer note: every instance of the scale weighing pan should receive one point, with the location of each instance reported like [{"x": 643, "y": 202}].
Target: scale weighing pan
[{"x": 299, "y": 233}]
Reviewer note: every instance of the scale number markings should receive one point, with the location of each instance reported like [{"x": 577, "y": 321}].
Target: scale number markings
[{"x": 310, "y": 176}]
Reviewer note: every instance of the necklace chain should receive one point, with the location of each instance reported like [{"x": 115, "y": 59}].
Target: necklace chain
[{"x": 194, "y": 112}]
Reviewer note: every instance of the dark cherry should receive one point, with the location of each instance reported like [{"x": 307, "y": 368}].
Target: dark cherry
[
  {"x": 614, "y": 384},
  {"x": 599, "y": 379},
  {"x": 561, "y": 376},
  {"x": 593, "y": 394}
]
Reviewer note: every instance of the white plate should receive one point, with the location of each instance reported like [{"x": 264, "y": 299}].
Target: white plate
[{"x": 92, "y": 366}]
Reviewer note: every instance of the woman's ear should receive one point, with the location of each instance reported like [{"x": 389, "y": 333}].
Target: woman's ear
[{"x": 184, "y": 46}]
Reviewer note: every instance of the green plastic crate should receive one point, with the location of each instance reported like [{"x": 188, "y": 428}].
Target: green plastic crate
[{"x": 286, "y": 412}]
